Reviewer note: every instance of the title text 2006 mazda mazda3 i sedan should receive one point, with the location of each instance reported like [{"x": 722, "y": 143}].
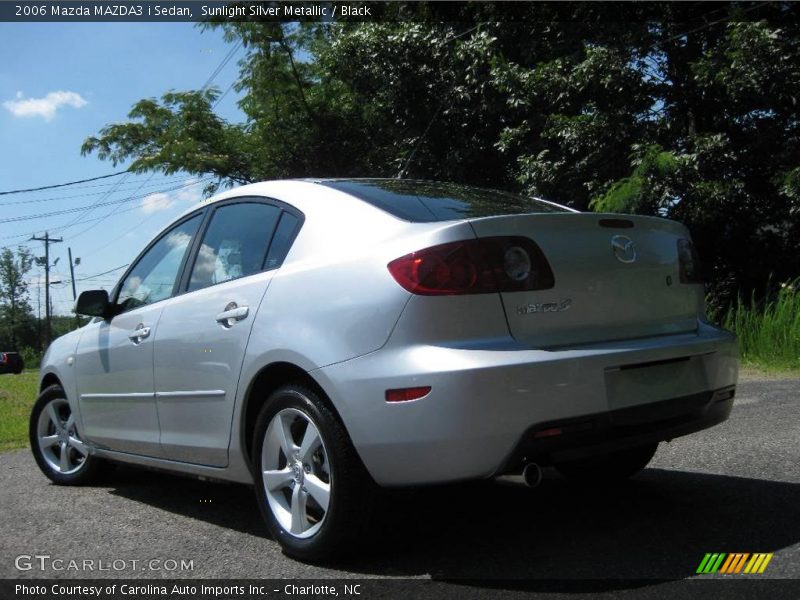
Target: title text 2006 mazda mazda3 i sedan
[{"x": 322, "y": 338}]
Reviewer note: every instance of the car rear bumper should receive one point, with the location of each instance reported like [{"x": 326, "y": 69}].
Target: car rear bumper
[
  {"x": 489, "y": 400},
  {"x": 571, "y": 439}
]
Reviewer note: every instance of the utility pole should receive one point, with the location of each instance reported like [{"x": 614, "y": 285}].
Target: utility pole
[
  {"x": 39, "y": 313},
  {"x": 47, "y": 241},
  {"x": 72, "y": 274}
]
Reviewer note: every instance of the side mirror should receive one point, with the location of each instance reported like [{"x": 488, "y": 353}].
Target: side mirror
[{"x": 93, "y": 303}]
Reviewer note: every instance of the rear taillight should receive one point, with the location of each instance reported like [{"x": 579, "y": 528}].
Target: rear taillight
[
  {"x": 477, "y": 266},
  {"x": 691, "y": 271}
]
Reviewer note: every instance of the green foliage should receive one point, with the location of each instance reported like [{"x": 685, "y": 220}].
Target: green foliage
[
  {"x": 648, "y": 190},
  {"x": 31, "y": 357},
  {"x": 17, "y": 395},
  {"x": 768, "y": 330},
  {"x": 15, "y": 312},
  {"x": 19, "y": 329},
  {"x": 179, "y": 133}
]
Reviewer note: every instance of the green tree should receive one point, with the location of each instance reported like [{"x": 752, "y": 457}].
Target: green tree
[{"x": 15, "y": 312}]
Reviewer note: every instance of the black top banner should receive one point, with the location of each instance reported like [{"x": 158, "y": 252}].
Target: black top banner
[{"x": 31, "y": 11}]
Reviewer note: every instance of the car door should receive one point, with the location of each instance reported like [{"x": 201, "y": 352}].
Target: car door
[
  {"x": 114, "y": 359},
  {"x": 203, "y": 333}
]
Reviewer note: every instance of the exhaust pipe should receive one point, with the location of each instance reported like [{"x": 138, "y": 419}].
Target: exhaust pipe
[{"x": 530, "y": 476}]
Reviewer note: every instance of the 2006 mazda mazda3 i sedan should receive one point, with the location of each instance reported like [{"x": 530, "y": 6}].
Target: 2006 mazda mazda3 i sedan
[{"x": 320, "y": 339}]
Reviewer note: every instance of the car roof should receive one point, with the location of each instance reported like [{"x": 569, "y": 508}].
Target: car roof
[{"x": 339, "y": 190}]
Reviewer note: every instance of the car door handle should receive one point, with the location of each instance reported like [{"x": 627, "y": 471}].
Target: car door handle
[
  {"x": 140, "y": 333},
  {"x": 230, "y": 315}
]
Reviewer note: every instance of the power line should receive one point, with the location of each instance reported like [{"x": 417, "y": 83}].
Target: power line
[
  {"x": 103, "y": 273},
  {"x": 123, "y": 234},
  {"x": 221, "y": 65},
  {"x": 58, "y": 228},
  {"x": 187, "y": 186},
  {"x": 64, "y": 227},
  {"x": 230, "y": 87},
  {"x": 84, "y": 195},
  {"x": 225, "y": 93},
  {"x": 58, "y": 185},
  {"x": 67, "y": 211},
  {"x": 115, "y": 209},
  {"x": 94, "y": 205}
]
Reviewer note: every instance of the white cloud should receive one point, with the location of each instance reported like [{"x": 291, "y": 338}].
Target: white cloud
[
  {"x": 189, "y": 194},
  {"x": 162, "y": 201},
  {"x": 43, "y": 107},
  {"x": 156, "y": 202}
]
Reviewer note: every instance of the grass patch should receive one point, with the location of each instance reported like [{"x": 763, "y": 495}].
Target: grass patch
[
  {"x": 17, "y": 395},
  {"x": 768, "y": 331}
]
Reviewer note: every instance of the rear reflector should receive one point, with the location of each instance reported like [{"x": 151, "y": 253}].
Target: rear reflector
[
  {"x": 407, "y": 394},
  {"x": 477, "y": 266},
  {"x": 548, "y": 432}
]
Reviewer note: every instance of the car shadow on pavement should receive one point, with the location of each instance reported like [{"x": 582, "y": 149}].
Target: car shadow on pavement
[
  {"x": 228, "y": 505},
  {"x": 659, "y": 525}
]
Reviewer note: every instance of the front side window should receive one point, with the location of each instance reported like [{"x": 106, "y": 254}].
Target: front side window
[
  {"x": 153, "y": 277},
  {"x": 235, "y": 243}
]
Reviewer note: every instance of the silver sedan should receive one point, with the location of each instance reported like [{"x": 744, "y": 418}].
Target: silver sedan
[{"x": 319, "y": 339}]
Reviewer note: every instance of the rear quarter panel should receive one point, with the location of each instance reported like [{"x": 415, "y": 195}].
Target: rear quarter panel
[{"x": 334, "y": 298}]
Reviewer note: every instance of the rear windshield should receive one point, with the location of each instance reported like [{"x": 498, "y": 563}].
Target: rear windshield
[{"x": 426, "y": 201}]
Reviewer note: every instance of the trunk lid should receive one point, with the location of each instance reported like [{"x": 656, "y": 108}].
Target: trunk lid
[{"x": 602, "y": 291}]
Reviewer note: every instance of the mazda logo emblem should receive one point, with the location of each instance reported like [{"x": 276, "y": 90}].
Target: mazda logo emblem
[{"x": 624, "y": 248}]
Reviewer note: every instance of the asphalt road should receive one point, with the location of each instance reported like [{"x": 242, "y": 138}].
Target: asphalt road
[{"x": 734, "y": 488}]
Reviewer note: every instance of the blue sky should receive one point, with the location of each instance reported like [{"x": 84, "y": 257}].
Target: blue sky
[{"x": 60, "y": 83}]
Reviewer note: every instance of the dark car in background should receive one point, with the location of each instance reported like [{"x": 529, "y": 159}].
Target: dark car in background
[{"x": 11, "y": 362}]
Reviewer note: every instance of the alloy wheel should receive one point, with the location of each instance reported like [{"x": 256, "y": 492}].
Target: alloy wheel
[
  {"x": 58, "y": 439},
  {"x": 296, "y": 473}
]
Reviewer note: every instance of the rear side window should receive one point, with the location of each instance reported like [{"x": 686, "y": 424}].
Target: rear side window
[
  {"x": 428, "y": 201},
  {"x": 235, "y": 243},
  {"x": 282, "y": 240}
]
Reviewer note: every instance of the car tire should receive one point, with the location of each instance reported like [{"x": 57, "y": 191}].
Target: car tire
[
  {"x": 313, "y": 491},
  {"x": 616, "y": 466},
  {"x": 57, "y": 447}
]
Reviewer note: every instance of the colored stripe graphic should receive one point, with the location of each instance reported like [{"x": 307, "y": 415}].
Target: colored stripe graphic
[
  {"x": 734, "y": 563},
  {"x": 711, "y": 562},
  {"x": 758, "y": 563}
]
